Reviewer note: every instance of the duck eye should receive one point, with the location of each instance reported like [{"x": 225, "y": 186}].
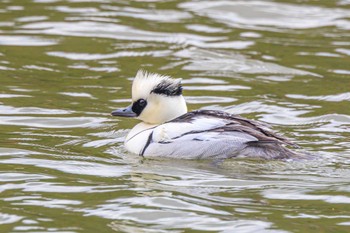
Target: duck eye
[
  {"x": 142, "y": 102},
  {"x": 138, "y": 106}
]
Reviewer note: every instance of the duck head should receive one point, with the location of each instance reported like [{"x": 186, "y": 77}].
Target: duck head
[{"x": 155, "y": 99}]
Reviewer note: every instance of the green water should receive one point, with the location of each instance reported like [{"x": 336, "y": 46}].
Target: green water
[{"x": 65, "y": 65}]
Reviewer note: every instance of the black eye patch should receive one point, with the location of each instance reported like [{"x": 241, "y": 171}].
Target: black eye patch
[{"x": 138, "y": 106}]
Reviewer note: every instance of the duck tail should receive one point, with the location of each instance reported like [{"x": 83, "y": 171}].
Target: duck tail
[{"x": 269, "y": 150}]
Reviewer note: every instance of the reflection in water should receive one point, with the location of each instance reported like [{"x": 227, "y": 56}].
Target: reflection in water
[{"x": 64, "y": 65}]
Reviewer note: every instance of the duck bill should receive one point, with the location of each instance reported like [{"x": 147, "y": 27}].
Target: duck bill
[{"x": 124, "y": 112}]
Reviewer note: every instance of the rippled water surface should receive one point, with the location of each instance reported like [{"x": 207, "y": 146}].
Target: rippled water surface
[{"x": 64, "y": 65}]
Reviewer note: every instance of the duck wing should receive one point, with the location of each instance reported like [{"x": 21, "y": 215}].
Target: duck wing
[
  {"x": 261, "y": 130},
  {"x": 215, "y": 134}
]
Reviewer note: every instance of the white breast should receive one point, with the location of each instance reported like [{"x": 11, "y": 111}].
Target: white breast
[{"x": 137, "y": 137}]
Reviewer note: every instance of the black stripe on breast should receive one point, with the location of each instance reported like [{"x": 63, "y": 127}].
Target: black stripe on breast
[{"x": 149, "y": 140}]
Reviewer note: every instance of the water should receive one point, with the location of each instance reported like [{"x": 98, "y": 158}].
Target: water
[{"x": 65, "y": 65}]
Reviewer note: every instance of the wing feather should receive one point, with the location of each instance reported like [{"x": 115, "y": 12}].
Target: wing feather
[{"x": 214, "y": 134}]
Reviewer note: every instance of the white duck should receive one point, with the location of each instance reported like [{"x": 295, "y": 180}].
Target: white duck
[{"x": 168, "y": 130}]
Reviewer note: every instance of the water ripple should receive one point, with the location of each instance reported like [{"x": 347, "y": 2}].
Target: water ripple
[
  {"x": 9, "y": 218},
  {"x": 206, "y": 28},
  {"x": 84, "y": 56},
  {"x": 267, "y": 15},
  {"x": 9, "y": 110},
  {"x": 217, "y": 88},
  {"x": 15, "y": 152},
  {"x": 292, "y": 195},
  {"x": 146, "y": 14},
  {"x": 113, "y": 31},
  {"x": 72, "y": 167},
  {"x": 208, "y": 99},
  {"x": 25, "y": 41},
  {"x": 331, "y": 98},
  {"x": 2, "y": 96},
  {"x": 201, "y": 60},
  {"x": 53, "y": 122}
]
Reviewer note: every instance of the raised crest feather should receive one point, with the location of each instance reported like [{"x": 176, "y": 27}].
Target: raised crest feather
[
  {"x": 146, "y": 83},
  {"x": 168, "y": 88}
]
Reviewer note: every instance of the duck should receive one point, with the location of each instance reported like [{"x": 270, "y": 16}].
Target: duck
[{"x": 168, "y": 130}]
